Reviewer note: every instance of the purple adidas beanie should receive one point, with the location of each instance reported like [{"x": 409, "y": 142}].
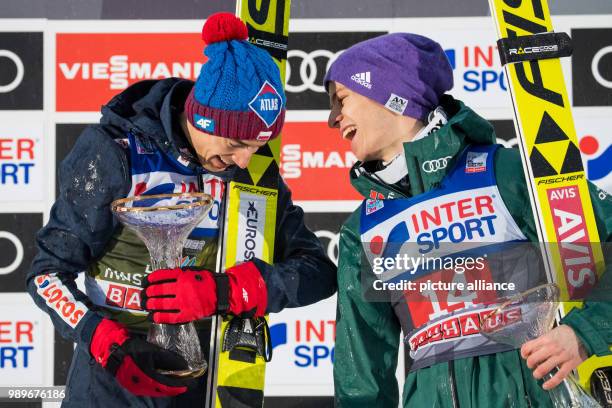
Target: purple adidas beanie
[{"x": 407, "y": 73}]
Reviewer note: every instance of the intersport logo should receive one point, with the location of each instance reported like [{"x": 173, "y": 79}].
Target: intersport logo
[
  {"x": 117, "y": 61},
  {"x": 315, "y": 162}
]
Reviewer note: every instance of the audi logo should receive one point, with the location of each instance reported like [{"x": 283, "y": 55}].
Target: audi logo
[
  {"x": 431, "y": 166},
  {"x": 308, "y": 69},
  {"x": 332, "y": 246},
  {"x": 595, "y": 66},
  {"x": 20, "y": 71},
  {"x": 5, "y": 270}
]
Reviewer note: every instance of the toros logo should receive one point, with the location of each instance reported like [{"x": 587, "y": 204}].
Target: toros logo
[
  {"x": 597, "y": 160},
  {"x": 315, "y": 162},
  {"x": 311, "y": 341},
  {"x": 117, "y": 60}
]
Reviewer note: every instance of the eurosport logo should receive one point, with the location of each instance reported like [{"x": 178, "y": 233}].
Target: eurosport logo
[
  {"x": 316, "y": 168},
  {"x": 17, "y": 249},
  {"x": 21, "y": 342},
  {"x": 21, "y": 70},
  {"x": 308, "y": 61},
  {"x": 310, "y": 340},
  {"x": 21, "y": 160},
  {"x": 117, "y": 61},
  {"x": 477, "y": 72},
  {"x": 595, "y": 142},
  {"x": 592, "y": 67}
]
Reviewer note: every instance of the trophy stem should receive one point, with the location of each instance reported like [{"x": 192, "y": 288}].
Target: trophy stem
[{"x": 569, "y": 394}]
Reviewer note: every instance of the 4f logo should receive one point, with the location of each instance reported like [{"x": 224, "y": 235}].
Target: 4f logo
[{"x": 203, "y": 123}]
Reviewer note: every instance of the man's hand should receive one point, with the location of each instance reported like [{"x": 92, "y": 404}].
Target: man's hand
[
  {"x": 135, "y": 363},
  {"x": 180, "y": 296},
  {"x": 558, "y": 348}
]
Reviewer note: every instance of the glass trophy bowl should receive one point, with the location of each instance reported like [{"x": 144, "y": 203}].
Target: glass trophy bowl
[
  {"x": 525, "y": 317},
  {"x": 163, "y": 222}
]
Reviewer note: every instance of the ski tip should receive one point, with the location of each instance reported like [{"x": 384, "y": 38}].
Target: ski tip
[{"x": 224, "y": 27}]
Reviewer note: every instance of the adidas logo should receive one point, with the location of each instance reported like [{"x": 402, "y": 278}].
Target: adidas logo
[{"x": 362, "y": 78}]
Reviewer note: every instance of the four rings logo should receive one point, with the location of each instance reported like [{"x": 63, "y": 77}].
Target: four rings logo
[
  {"x": 308, "y": 72},
  {"x": 307, "y": 63},
  {"x": 431, "y": 166},
  {"x": 17, "y": 248},
  {"x": 16, "y": 243},
  {"x": 21, "y": 70},
  {"x": 592, "y": 67}
]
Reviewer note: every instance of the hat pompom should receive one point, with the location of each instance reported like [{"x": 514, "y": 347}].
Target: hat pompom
[{"x": 224, "y": 27}]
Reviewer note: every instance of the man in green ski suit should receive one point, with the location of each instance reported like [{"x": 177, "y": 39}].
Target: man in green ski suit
[{"x": 416, "y": 143}]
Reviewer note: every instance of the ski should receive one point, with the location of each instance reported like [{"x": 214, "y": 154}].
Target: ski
[
  {"x": 557, "y": 183},
  {"x": 237, "y": 374}
]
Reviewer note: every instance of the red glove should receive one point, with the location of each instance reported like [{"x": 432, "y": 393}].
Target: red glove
[
  {"x": 135, "y": 363},
  {"x": 184, "y": 295}
]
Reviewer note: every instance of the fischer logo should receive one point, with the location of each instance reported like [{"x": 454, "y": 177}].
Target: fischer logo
[
  {"x": 119, "y": 72},
  {"x": 293, "y": 160},
  {"x": 16, "y": 343},
  {"x": 362, "y": 78},
  {"x": 533, "y": 50},
  {"x": 59, "y": 298},
  {"x": 16, "y": 81},
  {"x": 312, "y": 341},
  {"x": 574, "y": 243},
  {"x": 458, "y": 327}
]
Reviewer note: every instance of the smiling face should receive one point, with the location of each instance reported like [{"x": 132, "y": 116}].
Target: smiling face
[
  {"x": 375, "y": 132},
  {"x": 218, "y": 153}
]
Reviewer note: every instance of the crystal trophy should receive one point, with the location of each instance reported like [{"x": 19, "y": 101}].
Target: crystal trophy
[
  {"x": 163, "y": 222},
  {"x": 527, "y": 316}
]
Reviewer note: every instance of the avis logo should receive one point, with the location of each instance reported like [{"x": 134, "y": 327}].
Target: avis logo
[
  {"x": 312, "y": 341},
  {"x": 119, "y": 71},
  {"x": 597, "y": 167}
]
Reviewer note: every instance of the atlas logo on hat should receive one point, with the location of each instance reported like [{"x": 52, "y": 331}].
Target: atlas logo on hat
[{"x": 267, "y": 104}]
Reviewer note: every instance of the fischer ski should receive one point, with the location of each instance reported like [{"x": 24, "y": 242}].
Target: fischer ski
[
  {"x": 558, "y": 189},
  {"x": 240, "y": 348}
]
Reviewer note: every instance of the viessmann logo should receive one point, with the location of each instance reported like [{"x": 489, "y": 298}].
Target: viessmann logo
[
  {"x": 118, "y": 60},
  {"x": 316, "y": 168}
]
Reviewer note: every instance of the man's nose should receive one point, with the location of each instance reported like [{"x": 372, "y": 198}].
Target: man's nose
[
  {"x": 335, "y": 116},
  {"x": 242, "y": 157}
]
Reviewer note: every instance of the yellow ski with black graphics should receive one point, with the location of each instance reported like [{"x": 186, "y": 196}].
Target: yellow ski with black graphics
[
  {"x": 236, "y": 378},
  {"x": 551, "y": 159}
]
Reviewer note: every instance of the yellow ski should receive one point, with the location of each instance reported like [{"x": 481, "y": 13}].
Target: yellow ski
[{"x": 551, "y": 159}]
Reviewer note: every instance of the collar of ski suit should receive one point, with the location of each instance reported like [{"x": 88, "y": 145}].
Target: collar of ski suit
[{"x": 429, "y": 159}]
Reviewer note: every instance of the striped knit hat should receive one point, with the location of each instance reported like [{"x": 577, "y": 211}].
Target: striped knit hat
[{"x": 239, "y": 93}]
